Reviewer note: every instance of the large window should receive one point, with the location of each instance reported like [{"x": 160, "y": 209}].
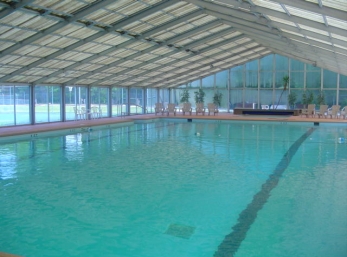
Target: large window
[
  {"x": 152, "y": 99},
  {"x": 222, "y": 79},
  {"x": 281, "y": 63},
  {"x": 136, "y": 101},
  {"x": 266, "y": 79},
  {"x": 47, "y": 104},
  {"x": 75, "y": 100},
  {"x": 14, "y": 105},
  {"x": 296, "y": 79},
  {"x": 99, "y": 101},
  {"x": 252, "y": 79},
  {"x": 119, "y": 101},
  {"x": 208, "y": 82},
  {"x": 329, "y": 79},
  {"x": 266, "y": 63},
  {"x": 313, "y": 79},
  {"x": 237, "y": 77},
  {"x": 22, "y": 115}
]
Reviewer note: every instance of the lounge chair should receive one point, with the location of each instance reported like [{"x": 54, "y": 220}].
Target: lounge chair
[
  {"x": 187, "y": 107},
  {"x": 78, "y": 114},
  {"x": 171, "y": 108},
  {"x": 212, "y": 108},
  {"x": 159, "y": 108},
  {"x": 309, "y": 111},
  {"x": 323, "y": 111},
  {"x": 85, "y": 113},
  {"x": 343, "y": 112},
  {"x": 200, "y": 108},
  {"x": 95, "y": 112},
  {"x": 334, "y": 111}
]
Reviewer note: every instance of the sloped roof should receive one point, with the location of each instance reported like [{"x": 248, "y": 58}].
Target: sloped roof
[{"x": 162, "y": 43}]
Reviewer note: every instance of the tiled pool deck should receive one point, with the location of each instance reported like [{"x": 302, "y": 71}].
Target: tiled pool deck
[{"x": 28, "y": 129}]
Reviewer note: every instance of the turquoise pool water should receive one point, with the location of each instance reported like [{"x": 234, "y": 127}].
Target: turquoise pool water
[{"x": 177, "y": 189}]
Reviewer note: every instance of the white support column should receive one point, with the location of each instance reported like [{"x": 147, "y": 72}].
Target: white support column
[
  {"x": 338, "y": 89},
  {"x": 273, "y": 80},
  {"x": 229, "y": 88},
  {"x": 321, "y": 78},
  {"x": 258, "y": 80},
  {"x": 109, "y": 106}
]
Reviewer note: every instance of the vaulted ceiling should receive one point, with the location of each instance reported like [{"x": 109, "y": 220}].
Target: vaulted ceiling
[{"x": 162, "y": 43}]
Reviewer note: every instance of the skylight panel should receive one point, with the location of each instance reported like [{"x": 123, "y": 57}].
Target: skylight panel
[
  {"x": 83, "y": 33},
  {"x": 340, "y": 46},
  {"x": 283, "y": 21},
  {"x": 114, "y": 70},
  {"x": 163, "y": 35},
  {"x": 92, "y": 47},
  {"x": 74, "y": 56},
  {"x": 150, "y": 66},
  {"x": 182, "y": 28},
  {"x": 145, "y": 57},
  {"x": 41, "y": 51},
  {"x": 23, "y": 79},
  {"x": 131, "y": 8},
  {"x": 336, "y": 4},
  {"x": 62, "y": 6},
  {"x": 292, "y": 32},
  {"x": 55, "y": 64},
  {"x": 337, "y": 23},
  {"x": 221, "y": 27},
  {"x": 339, "y": 37},
  {"x": 179, "y": 55},
  {"x": 105, "y": 16},
  {"x": 22, "y": 60},
  {"x": 305, "y": 14},
  {"x": 184, "y": 42},
  {"x": 17, "y": 18},
  {"x": 318, "y": 40},
  {"x": 202, "y": 19},
  {"x": 163, "y": 61},
  {"x": 62, "y": 42},
  {"x": 269, "y": 4},
  {"x": 17, "y": 34},
  {"x": 181, "y": 8},
  {"x": 138, "y": 27},
  {"x": 161, "y": 51},
  {"x": 4, "y": 45},
  {"x": 322, "y": 32},
  {"x": 130, "y": 63},
  {"x": 157, "y": 18}
]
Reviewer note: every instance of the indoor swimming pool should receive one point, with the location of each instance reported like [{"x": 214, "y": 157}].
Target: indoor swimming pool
[{"x": 177, "y": 189}]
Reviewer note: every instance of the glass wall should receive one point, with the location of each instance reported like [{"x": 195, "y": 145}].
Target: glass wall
[
  {"x": 14, "y": 105},
  {"x": 119, "y": 97},
  {"x": 260, "y": 82},
  {"x": 136, "y": 101},
  {"x": 76, "y": 102},
  {"x": 164, "y": 96},
  {"x": 99, "y": 102},
  {"x": 152, "y": 99},
  {"x": 47, "y": 103},
  {"x": 343, "y": 91},
  {"x": 250, "y": 85}
]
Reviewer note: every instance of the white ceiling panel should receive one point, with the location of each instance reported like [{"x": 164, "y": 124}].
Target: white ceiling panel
[{"x": 130, "y": 42}]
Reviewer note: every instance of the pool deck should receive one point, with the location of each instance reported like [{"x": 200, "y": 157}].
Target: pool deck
[
  {"x": 28, "y": 129},
  {"x": 8, "y": 255}
]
